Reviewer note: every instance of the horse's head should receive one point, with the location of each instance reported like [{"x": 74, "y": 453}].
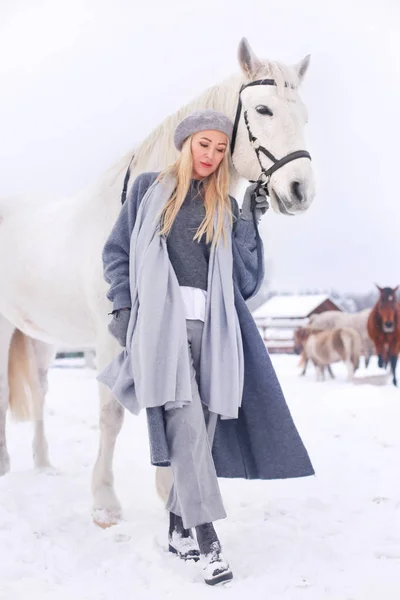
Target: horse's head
[
  {"x": 300, "y": 335},
  {"x": 387, "y": 308},
  {"x": 271, "y": 118}
]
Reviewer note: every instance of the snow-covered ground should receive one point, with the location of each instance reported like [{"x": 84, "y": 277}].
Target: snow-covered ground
[{"x": 335, "y": 536}]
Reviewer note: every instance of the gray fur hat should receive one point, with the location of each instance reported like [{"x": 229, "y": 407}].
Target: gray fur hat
[{"x": 202, "y": 120}]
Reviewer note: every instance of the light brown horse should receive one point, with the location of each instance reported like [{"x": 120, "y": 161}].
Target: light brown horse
[
  {"x": 330, "y": 319},
  {"x": 329, "y": 346},
  {"x": 384, "y": 328}
]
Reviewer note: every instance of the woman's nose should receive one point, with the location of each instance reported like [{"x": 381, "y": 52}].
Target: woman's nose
[{"x": 209, "y": 153}]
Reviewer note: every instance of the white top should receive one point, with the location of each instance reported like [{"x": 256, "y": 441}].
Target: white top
[{"x": 194, "y": 301}]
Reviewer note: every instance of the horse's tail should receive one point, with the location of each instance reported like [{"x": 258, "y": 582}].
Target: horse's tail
[
  {"x": 352, "y": 345},
  {"x": 25, "y": 394}
]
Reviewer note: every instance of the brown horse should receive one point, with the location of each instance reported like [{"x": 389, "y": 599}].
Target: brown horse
[{"x": 384, "y": 328}]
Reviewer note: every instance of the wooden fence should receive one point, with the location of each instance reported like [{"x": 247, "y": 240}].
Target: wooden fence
[{"x": 278, "y": 333}]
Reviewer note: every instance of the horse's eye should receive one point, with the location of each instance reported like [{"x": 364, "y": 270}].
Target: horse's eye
[{"x": 264, "y": 110}]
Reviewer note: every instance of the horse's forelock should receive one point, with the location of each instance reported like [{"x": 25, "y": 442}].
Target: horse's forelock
[
  {"x": 285, "y": 76},
  {"x": 388, "y": 294}
]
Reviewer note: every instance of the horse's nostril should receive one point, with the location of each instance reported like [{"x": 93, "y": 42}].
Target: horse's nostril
[
  {"x": 298, "y": 191},
  {"x": 388, "y": 323}
]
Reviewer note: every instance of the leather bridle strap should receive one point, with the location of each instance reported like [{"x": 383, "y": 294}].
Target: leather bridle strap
[{"x": 257, "y": 147}]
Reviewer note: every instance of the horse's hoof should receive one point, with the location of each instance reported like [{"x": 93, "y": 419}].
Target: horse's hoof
[
  {"x": 42, "y": 465},
  {"x": 48, "y": 470},
  {"x": 105, "y": 519},
  {"x": 4, "y": 464},
  {"x": 4, "y": 469},
  {"x": 103, "y": 525}
]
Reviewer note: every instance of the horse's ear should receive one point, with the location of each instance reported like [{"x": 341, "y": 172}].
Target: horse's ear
[
  {"x": 302, "y": 66},
  {"x": 248, "y": 61},
  {"x": 379, "y": 288}
]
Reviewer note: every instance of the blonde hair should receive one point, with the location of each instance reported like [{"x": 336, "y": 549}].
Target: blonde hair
[{"x": 216, "y": 198}]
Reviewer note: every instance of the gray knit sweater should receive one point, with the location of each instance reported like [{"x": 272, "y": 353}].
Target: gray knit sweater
[{"x": 189, "y": 258}]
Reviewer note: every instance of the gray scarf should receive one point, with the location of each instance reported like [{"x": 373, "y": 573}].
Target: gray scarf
[{"x": 154, "y": 368}]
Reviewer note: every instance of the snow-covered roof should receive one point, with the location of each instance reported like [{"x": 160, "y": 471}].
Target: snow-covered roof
[{"x": 290, "y": 306}]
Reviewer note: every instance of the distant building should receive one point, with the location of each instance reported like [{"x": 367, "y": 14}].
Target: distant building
[{"x": 277, "y": 318}]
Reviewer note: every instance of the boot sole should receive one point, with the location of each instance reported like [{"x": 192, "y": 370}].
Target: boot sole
[
  {"x": 223, "y": 577},
  {"x": 186, "y": 557}
]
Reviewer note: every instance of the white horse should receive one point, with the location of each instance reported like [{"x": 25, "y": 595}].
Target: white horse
[{"x": 52, "y": 286}]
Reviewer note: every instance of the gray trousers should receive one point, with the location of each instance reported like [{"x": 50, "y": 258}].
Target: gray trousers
[{"x": 195, "y": 494}]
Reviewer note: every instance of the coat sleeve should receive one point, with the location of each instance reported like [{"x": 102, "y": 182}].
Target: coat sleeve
[
  {"x": 116, "y": 250},
  {"x": 248, "y": 254}
]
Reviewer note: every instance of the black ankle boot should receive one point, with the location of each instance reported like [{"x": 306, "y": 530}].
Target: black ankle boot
[
  {"x": 181, "y": 541},
  {"x": 215, "y": 568}
]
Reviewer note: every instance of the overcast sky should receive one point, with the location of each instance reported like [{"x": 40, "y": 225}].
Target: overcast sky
[{"x": 82, "y": 81}]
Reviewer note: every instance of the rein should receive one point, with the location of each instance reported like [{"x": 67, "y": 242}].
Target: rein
[
  {"x": 265, "y": 174},
  {"x": 126, "y": 181}
]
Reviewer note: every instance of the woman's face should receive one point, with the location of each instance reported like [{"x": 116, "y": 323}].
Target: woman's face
[{"x": 208, "y": 149}]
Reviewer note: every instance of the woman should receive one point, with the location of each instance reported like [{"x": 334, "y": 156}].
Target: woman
[{"x": 181, "y": 260}]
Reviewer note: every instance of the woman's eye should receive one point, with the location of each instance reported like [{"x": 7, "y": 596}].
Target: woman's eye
[
  {"x": 221, "y": 150},
  {"x": 264, "y": 110},
  {"x": 204, "y": 145}
]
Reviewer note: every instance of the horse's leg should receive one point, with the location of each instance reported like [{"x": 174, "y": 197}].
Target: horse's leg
[
  {"x": 385, "y": 356},
  {"x": 350, "y": 369},
  {"x": 164, "y": 481},
  {"x": 380, "y": 350},
  {"x": 393, "y": 354},
  {"x": 331, "y": 373},
  {"x": 393, "y": 362},
  {"x": 44, "y": 357},
  {"x": 106, "y": 506},
  {"x": 6, "y": 332},
  {"x": 305, "y": 366},
  {"x": 316, "y": 370}
]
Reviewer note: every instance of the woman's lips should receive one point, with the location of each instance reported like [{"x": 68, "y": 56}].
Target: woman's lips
[{"x": 205, "y": 165}]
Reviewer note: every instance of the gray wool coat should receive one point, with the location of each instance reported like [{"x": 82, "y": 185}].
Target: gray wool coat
[{"x": 263, "y": 443}]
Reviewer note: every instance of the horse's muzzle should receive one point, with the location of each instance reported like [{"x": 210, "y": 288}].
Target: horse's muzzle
[{"x": 293, "y": 205}]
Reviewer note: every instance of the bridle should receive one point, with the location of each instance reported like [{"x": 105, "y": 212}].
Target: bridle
[{"x": 265, "y": 174}]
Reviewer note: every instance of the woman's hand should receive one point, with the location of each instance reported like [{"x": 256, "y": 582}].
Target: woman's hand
[
  {"x": 118, "y": 327},
  {"x": 254, "y": 202}
]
